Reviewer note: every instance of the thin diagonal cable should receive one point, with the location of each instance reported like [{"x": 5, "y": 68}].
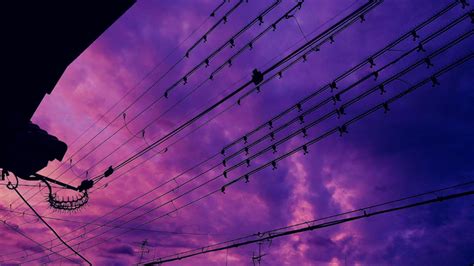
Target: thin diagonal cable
[
  {"x": 250, "y": 44},
  {"x": 223, "y": 19},
  {"x": 13, "y": 228},
  {"x": 352, "y": 121},
  {"x": 140, "y": 96},
  {"x": 143, "y": 93},
  {"x": 333, "y": 98},
  {"x": 234, "y": 104},
  {"x": 51, "y": 228},
  {"x": 310, "y": 225},
  {"x": 106, "y": 225},
  {"x": 340, "y": 25},
  {"x": 146, "y": 76},
  {"x": 341, "y": 12},
  {"x": 182, "y": 99},
  {"x": 200, "y": 65},
  {"x": 135, "y": 87},
  {"x": 328, "y": 133},
  {"x": 336, "y": 111},
  {"x": 350, "y": 71}
]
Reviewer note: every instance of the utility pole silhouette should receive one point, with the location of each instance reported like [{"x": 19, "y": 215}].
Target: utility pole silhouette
[
  {"x": 258, "y": 258},
  {"x": 143, "y": 250}
]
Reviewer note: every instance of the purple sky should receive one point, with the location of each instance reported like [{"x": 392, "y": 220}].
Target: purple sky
[{"x": 425, "y": 142}]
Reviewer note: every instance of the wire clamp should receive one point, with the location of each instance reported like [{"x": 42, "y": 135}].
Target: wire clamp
[
  {"x": 299, "y": 107},
  {"x": 305, "y": 150},
  {"x": 371, "y": 62},
  {"x": 415, "y": 35},
  {"x": 340, "y": 112},
  {"x": 428, "y": 62},
  {"x": 274, "y": 165},
  {"x": 376, "y": 75},
  {"x": 301, "y": 118},
  {"x": 386, "y": 108},
  {"x": 246, "y": 150},
  {"x": 342, "y": 129},
  {"x": 420, "y": 48},
  {"x": 272, "y": 136},
  {"x": 305, "y": 132},
  {"x": 336, "y": 98},
  {"x": 246, "y": 177},
  {"x": 434, "y": 81},
  {"x": 382, "y": 89}
]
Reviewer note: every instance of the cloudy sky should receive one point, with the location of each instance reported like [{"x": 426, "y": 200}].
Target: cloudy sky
[{"x": 425, "y": 141}]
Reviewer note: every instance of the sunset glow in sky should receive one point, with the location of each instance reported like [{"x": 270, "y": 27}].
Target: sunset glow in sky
[{"x": 425, "y": 141}]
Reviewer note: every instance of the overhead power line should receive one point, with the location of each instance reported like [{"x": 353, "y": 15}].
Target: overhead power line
[
  {"x": 312, "y": 225},
  {"x": 180, "y": 100},
  {"x": 21, "y": 214},
  {"x": 158, "y": 80},
  {"x": 171, "y": 179},
  {"x": 348, "y": 20},
  {"x": 326, "y": 34},
  {"x": 184, "y": 80},
  {"x": 371, "y": 58},
  {"x": 335, "y": 98},
  {"x": 15, "y": 188},
  {"x": 223, "y": 19},
  {"x": 23, "y": 234},
  {"x": 341, "y": 129},
  {"x": 165, "y": 148},
  {"x": 128, "y": 92}
]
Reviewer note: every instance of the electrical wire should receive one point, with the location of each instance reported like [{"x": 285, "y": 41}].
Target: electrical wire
[
  {"x": 107, "y": 225},
  {"x": 133, "y": 89},
  {"x": 16, "y": 230},
  {"x": 313, "y": 225},
  {"x": 51, "y": 228},
  {"x": 328, "y": 133},
  {"x": 184, "y": 78},
  {"x": 150, "y": 87},
  {"x": 342, "y": 129},
  {"x": 188, "y": 94},
  {"x": 337, "y": 97},
  {"x": 332, "y": 30},
  {"x": 373, "y": 57}
]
